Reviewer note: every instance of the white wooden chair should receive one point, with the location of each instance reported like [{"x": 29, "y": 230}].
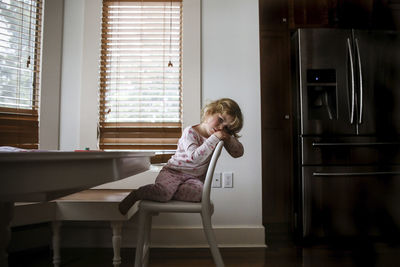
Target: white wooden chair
[{"x": 147, "y": 209}]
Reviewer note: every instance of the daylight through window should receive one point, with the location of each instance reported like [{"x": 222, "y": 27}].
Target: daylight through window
[
  {"x": 140, "y": 75},
  {"x": 20, "y": 42}
]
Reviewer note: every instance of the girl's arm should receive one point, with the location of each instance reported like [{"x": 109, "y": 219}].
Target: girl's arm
[
  {"x": 234, "y": 147},
  {"x": 231, "y": 144},
  {"x": 195, "y": 152}
]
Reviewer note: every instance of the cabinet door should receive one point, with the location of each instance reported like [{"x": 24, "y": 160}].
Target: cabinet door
[
  {"x": 355, "y": 13},
  {"x": 367, "y": 14},
  {"x": 273, "y": 15},
  {"x": 275, "y": 74},
  {"x": 312, "y": 13},
  {"x": 276, "y": 128},
  {"x": 338, "y": 13}
]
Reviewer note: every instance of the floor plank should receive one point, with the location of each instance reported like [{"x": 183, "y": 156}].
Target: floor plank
[{"x": 278, "y": 256}]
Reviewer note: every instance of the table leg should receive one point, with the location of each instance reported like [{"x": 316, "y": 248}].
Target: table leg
[
  {"x": 6, "y": 212},
  {"x": 56, "y": 243},
  {"x": 116, "y": 241}
]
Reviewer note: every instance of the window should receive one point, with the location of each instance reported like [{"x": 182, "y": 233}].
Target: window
[
  {"x": 20, "y": 39},
  {"x": 140, "y": 75}
]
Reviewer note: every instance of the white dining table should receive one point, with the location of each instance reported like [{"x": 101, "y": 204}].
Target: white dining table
[{"x": 37, "y": 176}]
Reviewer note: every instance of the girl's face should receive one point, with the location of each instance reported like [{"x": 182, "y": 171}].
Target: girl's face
[{"x": 216, "y": 122}]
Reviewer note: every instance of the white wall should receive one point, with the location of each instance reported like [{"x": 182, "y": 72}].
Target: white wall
[
  {"x": 230, "y": 50},
  {"x": 229, "y": 68},
  {"x": 51, "y": 75},
  {"x": 80, "y": 69}
]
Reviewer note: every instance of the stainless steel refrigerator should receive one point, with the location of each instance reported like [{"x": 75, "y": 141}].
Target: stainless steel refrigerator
[{"x": 346, "y": 86}]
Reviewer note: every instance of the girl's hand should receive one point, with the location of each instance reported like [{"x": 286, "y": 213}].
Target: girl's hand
[{"x": 222, "y": 135}]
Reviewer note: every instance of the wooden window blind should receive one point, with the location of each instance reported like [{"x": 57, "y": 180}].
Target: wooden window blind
[
  {"x": 140, "y": 75},
  {"x": 20, "y": 42}
]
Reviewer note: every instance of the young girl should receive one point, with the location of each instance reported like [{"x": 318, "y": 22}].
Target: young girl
[{"x": 183, "y": 176}]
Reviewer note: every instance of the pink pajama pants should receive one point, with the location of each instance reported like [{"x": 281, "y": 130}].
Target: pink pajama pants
[{"x": 171, "y": 184}]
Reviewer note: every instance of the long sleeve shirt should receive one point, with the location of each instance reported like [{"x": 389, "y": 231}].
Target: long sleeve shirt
[{"x": 194, "y": 152}]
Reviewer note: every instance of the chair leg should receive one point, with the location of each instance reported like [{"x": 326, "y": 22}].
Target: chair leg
[
  {"x": 56, "y": 243},
  {"x": 143, "y": 234},
  {"x": 212, "y": 241},
  {"x": 116, "y": 242}
]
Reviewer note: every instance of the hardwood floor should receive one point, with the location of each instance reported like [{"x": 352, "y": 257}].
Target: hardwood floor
[{"x": 378, "y": 255}]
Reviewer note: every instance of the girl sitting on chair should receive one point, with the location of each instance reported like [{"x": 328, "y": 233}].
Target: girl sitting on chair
[{"x": 183, "y": 176}]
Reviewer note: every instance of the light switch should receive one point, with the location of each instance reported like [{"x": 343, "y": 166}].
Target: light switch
[
  {"x": 216, "y": 182},
  {"x": 227, "y": 178}
]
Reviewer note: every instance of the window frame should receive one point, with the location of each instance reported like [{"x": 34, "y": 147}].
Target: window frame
[
  {"x": 153, "y": 133},
  {"x": 80, "y": 71},
  {"x": 19, "y": 126},
  {"x": 191, "y": 67}
]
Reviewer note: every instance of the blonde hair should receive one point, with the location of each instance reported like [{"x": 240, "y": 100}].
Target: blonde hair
[{"x": 229, "y": 107}]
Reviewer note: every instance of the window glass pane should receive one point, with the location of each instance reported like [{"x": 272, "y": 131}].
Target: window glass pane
[
  {"x": 19, "y": 46},
  {"x": 140, "y": 81},
  {"x": 20, "y": 36}
]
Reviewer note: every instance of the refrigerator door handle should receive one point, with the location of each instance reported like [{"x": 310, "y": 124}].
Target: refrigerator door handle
[
  {"x": 352, "y": 81},
  {"x": 329, "y": 174},
  {"x": 360, "y": 81}
]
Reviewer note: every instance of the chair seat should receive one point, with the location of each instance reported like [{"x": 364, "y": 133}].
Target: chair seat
[{"x": 171, "y": 206}]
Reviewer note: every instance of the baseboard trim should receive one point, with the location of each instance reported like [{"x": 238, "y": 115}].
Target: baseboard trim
[{"x": 170, "y": 237}]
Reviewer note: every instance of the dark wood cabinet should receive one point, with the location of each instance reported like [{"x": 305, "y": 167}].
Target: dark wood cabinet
[
  {"x": 274, "y": 51},
  {"x": 360, "y": 14},
  {"x": 312, "y": 13},
  {"x": 273, "y": 15},
  {"x": 276, "y": 128},
  {"x": 276, "y": 118}
]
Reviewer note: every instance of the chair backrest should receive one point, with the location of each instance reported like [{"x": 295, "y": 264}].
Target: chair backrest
[{"x": 210, "y": 174}]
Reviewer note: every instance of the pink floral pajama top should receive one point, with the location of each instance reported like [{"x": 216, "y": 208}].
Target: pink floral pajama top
[{"x": 194, "y": 152}]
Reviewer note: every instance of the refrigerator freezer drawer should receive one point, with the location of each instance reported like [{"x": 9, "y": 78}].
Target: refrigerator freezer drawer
[
  {"x": 349, "y": 151},
  {"x": 350, "y": 201}
]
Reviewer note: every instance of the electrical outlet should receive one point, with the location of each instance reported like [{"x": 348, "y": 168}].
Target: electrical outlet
[
  {"x": 227, "y": 177},
  {"x": 216, "y": 182}
]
